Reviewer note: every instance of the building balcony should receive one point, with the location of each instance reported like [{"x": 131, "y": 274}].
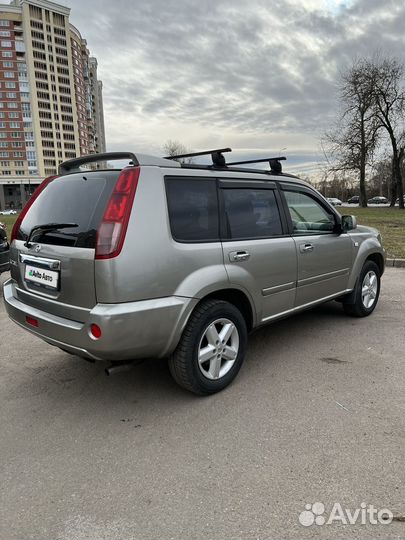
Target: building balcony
[{"x": 20, "y": 46}]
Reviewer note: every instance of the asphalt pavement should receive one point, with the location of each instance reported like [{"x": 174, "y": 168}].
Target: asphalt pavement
[{"x": 315, "y": 415}]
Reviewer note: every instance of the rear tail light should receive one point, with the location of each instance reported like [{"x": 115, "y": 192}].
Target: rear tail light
[
  {"x": 113, "y": 226},
  {"x": 24, "y": 211}
]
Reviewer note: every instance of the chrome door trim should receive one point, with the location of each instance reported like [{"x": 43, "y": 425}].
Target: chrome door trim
[
  {"x": 279, "y": 288},
  {"x": 304, "y": 306},
  {"x": 323, "y": 277}
]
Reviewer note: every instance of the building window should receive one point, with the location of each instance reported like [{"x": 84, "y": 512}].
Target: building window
[
  {"x": 6, "y": 43},
  {"x": 8, "y": 64},
  {"x": 18, "y": 154},
  {"x": 2, "y": 124},
  {"x": 4, "y": 154},
  {"x": 9, "y": 74},
  {"x": 15, "y": 125},
  {"x": 6, "y": 173},
  {"x": 11, "y": 115},
  {"x": 4, "y": 164},
  {"x": 4, "y": 22},
  {"x": 12, "y": 105},
  {"x": 9, "y": 84},
  {"x": 7, "y": 54},
  {"x": 11, "y": 95},
  {"x": 4, "y": 33},
  {"x": 19, "y": 163}
]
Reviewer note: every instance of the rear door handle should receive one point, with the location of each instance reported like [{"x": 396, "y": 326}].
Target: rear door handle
[
  {"x": 237, "y": 256},
  {"x": 304, "y": 248}
]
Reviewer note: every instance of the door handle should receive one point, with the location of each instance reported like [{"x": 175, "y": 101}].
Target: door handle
[
  {"x": 237, "y": 256},
  {"x": 304, "y": 248}
]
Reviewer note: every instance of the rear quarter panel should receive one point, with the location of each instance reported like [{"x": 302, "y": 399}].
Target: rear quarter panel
[{"x": 151, "y": 264}]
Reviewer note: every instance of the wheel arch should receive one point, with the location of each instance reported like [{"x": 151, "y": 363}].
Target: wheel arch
[{"x": 239, "y": 299}]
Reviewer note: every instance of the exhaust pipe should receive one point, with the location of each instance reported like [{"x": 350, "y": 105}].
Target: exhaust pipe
[{"x": 118, "y": 366}]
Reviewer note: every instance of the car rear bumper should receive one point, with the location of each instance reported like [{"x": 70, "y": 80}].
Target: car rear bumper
[{"x": 131, "y": 330}]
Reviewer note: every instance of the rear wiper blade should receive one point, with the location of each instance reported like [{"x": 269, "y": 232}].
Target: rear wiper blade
[{"x": 47, "y": 227}]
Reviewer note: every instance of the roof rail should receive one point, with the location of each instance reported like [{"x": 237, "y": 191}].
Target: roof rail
[
  {"x": 275, "y": 165},
  {"x": 216, "y": 155}
]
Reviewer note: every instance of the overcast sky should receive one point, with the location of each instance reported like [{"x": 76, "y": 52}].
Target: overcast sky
[{"x": 256, "y": 75}]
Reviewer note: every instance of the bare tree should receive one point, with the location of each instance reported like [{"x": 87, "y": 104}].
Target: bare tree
[
  {"x": 176, "y": 148},
  {"x": 387, "y": 77},
  {"x": 352, "y": 142}
]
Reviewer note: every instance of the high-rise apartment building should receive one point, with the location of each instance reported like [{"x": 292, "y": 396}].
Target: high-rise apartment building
[{"x": 50, "y": 97}]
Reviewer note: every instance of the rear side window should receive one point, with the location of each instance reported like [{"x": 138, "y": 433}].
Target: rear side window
[
  {"x": 251, "y": 213},
  {"x": 74, "y": 198},
  {"x": 193, "y": 209}
]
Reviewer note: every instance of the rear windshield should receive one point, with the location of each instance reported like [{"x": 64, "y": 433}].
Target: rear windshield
[{"x": 74, "y": 198}]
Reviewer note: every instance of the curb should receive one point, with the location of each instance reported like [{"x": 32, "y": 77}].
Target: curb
[{"x": 398, "y": 263}]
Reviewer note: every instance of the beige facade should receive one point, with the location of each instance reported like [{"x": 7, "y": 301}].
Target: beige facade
[{"x": 50, "y": 98}]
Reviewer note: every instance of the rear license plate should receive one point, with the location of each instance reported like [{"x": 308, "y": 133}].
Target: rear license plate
[{"x": 41, "y": 276}]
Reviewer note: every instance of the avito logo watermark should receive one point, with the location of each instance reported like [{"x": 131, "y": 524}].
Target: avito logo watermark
[{"x": 316, "y": 514}]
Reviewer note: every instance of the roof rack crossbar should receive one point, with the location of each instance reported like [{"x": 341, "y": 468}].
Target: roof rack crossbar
[
  {"x": 204, "y": 153},
  {"x": 262, "y": 160}
]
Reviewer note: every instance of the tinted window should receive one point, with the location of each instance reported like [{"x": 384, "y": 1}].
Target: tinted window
[
  {"x": 308, "y": 216},
  {"x": 251, "y": 213},
  {"x": 74, "y": 198},
  {"x": 193, "y": 209}
]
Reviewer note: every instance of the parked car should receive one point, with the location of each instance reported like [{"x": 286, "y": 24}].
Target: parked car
[
  {"x": 397, "y": 201},
  {"x": 354, "y": 200},
  {"x": 4, "y": 249},
  {"x": 378, "y": 200},
  {"x": 168, "y": 259},
  {"x": 334, "y": 201},
  {"x": 10, "y": 212}
]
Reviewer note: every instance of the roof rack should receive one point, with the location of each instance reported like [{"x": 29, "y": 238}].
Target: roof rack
[
  {"x": 274, "y": 162},
  {"x": 216, "y": 155}
]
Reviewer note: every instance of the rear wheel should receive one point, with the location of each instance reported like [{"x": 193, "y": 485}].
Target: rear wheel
[
  {"x": 366, "y": 293},
  {"x": 211, "y": 349}
]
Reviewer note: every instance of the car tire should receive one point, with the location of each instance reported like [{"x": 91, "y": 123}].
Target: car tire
[
  {"x": 212, "y": 348},
  {"x": 364, "y": 298}
]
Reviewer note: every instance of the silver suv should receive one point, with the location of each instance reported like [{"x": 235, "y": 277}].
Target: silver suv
[{"x": 166, "y": 259}]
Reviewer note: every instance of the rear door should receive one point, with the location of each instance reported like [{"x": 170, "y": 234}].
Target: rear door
[
  {"x": 57, "y": 269},
  {"x": 324, "y": 256},
  {"x": 259, "y": 254}
]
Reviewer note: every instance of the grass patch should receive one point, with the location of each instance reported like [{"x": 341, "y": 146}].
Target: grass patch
[
  {"x": 9, "y": 222},
  {"x": 389, "y": 221}
]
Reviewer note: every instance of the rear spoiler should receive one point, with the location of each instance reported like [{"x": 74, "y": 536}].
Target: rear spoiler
[{"x": 73, "y": 165}]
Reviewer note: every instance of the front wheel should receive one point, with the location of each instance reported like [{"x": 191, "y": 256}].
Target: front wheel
[
  {"x": 212, "y": 348},
  {"x": 366, "y": 293}
]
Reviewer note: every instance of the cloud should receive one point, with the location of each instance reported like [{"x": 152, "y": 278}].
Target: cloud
[{"x": 245, "y": 73}]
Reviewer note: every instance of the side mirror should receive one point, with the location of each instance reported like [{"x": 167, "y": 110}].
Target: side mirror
[{"x": 349, "y": 223}]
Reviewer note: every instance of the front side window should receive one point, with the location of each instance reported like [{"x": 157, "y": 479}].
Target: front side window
[
  {"x": 193, "y": 209},
  {"x": 307, "y": 215},
  {"x": 251, "y": 213}
]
